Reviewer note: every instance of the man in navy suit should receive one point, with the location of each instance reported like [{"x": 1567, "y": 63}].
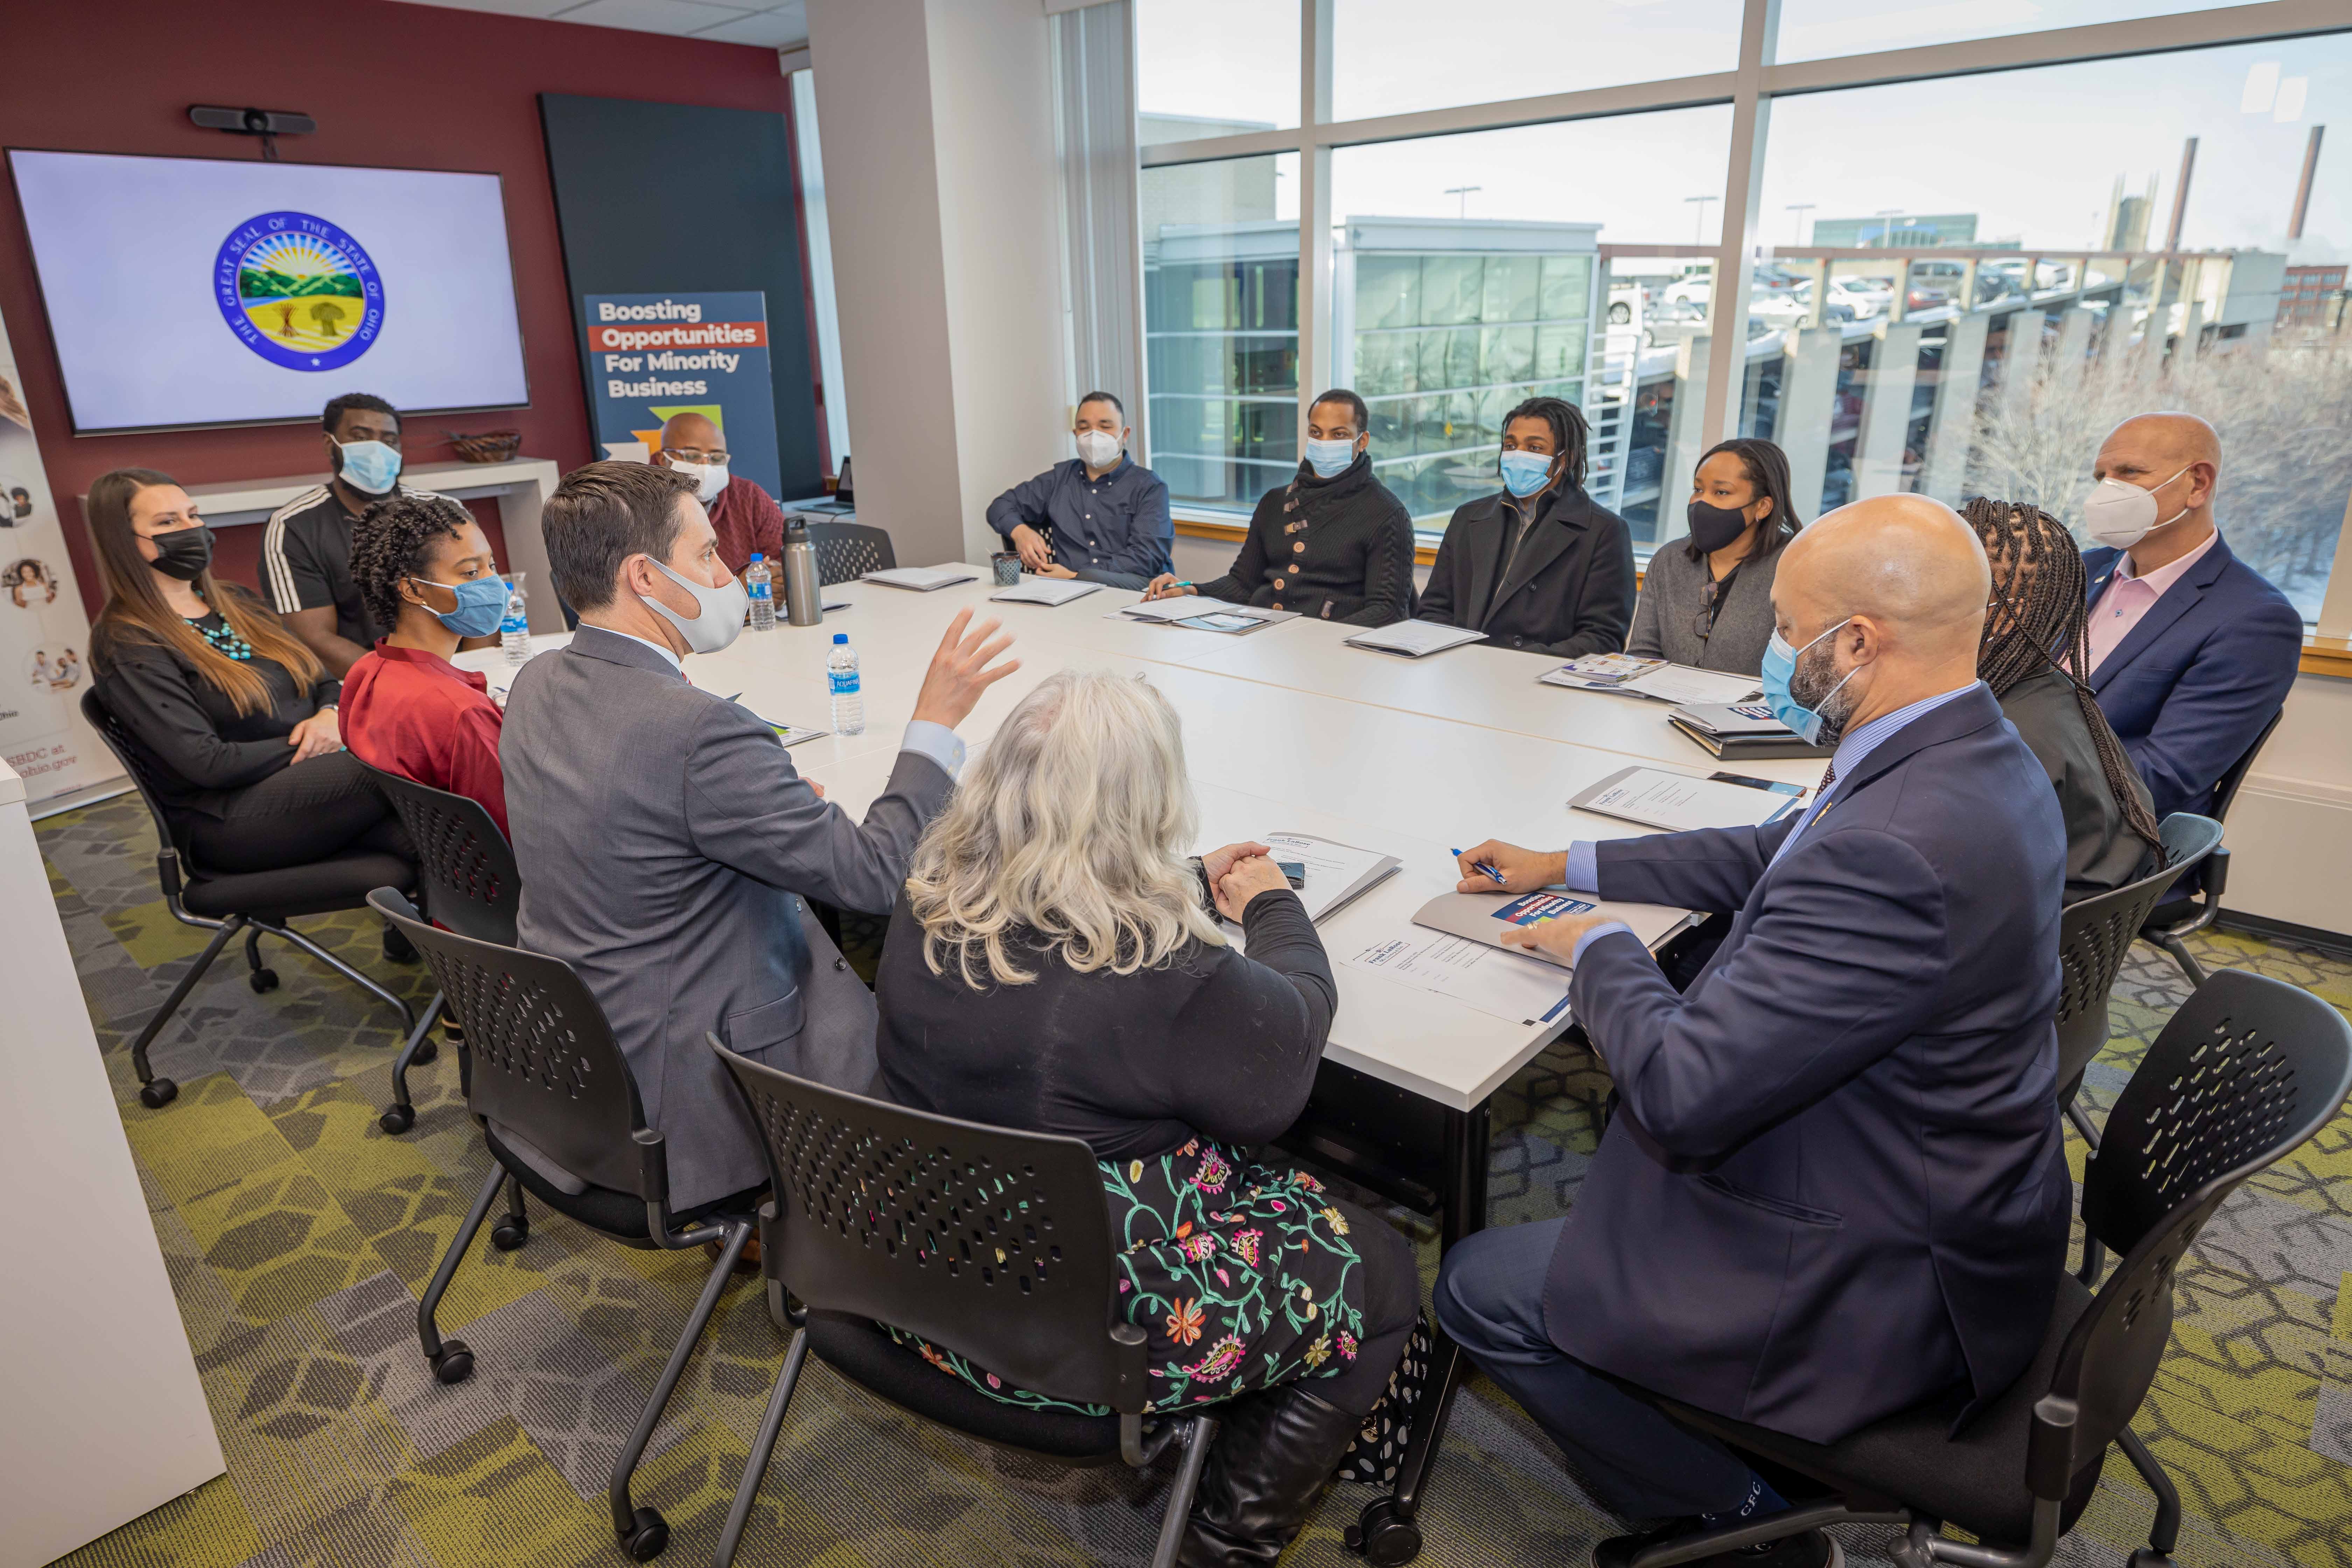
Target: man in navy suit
[
  {"x": 2192, "y": 651},
  {"x": 1835, "y": 1185}
]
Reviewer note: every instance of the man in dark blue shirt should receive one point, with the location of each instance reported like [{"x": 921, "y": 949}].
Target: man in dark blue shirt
[{"x": 1100, "y": 516}]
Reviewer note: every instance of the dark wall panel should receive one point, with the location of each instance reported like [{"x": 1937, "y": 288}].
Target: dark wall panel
[{"x": 656, "y": 197}]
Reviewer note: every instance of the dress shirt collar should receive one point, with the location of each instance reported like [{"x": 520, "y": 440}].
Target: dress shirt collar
[
  {"x": 1854, "y": 749},
  {"x": 676, "y": 663},
  {"x": 2164, "y": 577},
  {"x": 1124, "y": 463}
]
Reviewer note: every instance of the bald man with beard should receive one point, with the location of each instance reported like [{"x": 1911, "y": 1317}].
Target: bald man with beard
[
  {"x": 746, "y": 517},
  {"x": 2192, "y": 650},
  {"x": 1834, "y": 1186}
]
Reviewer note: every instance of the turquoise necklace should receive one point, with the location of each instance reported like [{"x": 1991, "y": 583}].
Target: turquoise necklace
[{"x": 224, "y": 640}]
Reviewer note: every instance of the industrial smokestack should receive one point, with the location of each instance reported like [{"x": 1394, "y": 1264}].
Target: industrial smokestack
[
  {"x": 2303, "y": 190},
  {"x": 2180, "y": 193}
]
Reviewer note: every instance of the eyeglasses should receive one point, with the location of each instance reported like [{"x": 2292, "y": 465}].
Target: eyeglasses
[
  {"x": 1709, "y": 607},
  {"x": 695, "y": 455}
]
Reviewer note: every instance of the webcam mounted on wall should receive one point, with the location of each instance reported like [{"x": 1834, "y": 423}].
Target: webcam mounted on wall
[{"x": 267, "y": 124}]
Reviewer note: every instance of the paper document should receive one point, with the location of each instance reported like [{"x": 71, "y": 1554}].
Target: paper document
[
  {"x": 1519, "y": 990},
  {"x": 921, "y": 579},
  {"x": 1415, "y": 638},
  {"x": 1336, "y": 873},
  {"x": 1483, "y": 917},
  {"x": 791, "y": 734},
  {"x": 1677, "y": 802},
  {"x": 1175, "y": 610},
  {"x": 1655, "y": 680},
  {"x": 1045, "y": 591},
  {"x": 1732, "y": 719}
]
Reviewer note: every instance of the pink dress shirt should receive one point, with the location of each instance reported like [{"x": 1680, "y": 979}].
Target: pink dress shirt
[{"x": 2127, "y": 598}]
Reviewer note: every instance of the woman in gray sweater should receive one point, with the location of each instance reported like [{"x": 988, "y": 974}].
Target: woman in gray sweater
[{"x": 1707, "y": 600}]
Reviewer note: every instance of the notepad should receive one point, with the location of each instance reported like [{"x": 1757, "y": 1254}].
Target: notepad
[
  {"x": 921, "y": 579},
  {"x": 1675, "y": 803},
  {"x": 1337, "y": 874},
  {"x": 1414, "y": 638},
  {"x": 1651, "y": 677},
  {"x": 1045, "y": 591},
  {"x": 1485, "y": 917}
]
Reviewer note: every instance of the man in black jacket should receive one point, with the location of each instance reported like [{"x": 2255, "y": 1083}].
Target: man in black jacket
[
  {"x": 1540, "y": 566},
  {"x": 1333, "y": 543}
]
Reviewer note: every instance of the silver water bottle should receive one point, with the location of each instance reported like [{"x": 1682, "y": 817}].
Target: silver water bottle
[{"x": 803, "y": 602}]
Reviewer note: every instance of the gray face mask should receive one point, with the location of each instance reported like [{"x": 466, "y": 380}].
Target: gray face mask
[{"x": 719, "y": 618}]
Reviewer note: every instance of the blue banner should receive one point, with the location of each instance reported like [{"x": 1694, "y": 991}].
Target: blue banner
[{"x": 652, "y": 357}]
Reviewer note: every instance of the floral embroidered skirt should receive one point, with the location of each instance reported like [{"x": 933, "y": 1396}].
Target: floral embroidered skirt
[{"x": 1241, "y": 1273}]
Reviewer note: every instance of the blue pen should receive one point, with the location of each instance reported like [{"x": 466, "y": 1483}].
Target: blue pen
[{"x": 1500, "y": 879}]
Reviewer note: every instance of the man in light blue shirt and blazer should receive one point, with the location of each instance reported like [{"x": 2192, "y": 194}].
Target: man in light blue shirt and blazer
[
  {"x": 1100, "y": 516},
  {"x": 1835, "y": 1185},
  {"x": 666, "y": 843}
]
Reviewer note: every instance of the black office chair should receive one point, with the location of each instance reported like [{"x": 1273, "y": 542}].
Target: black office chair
[
  {"x": 541, "y": 1070},
  {"x": 471, "y": 886},
  {"x": 228, "y": 902},
  {"x": 2247, "y": 1070},
  {"x": 2199, "y": 905},
  {"x": 847, "y": 551},
  {"x": 993, "y": 1243}
]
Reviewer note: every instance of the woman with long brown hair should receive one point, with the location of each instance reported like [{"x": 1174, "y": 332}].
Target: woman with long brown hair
[{"x": 235, "y": 718}]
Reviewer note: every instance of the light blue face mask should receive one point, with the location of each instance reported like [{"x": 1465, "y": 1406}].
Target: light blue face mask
[
  {"x": 1779, "y": 668},
  {"x": 370, "y": 465},
  {"x": 481, "y": 605},
  {"x": 1329, "y": 458},
  {"x": 1525, "y": 473}
]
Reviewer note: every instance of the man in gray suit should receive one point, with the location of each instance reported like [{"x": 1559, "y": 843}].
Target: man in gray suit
[{"x": 666, "y": 840}]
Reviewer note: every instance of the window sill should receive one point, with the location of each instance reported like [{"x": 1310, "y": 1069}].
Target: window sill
[{"x": 2327, "y": 655}]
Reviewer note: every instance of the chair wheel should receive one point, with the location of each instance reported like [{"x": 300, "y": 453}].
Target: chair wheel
[
  {"x": 157, "y": 1093},
  {"x": 510, "y": 1233},
  {"x": 1383, "y": 1535},
  {"x": 648, "y": 1535},
  {"x": 426, "y": 1050},
  {"x": 455, "y": 1363},
  {"x": 262, "y": 980},
  {"x": 397, "y": 1119}
]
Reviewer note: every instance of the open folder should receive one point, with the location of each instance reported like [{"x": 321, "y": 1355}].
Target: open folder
[
  {"x": 1337, "y": 874},
  {"x": 1485, "y": 917}
]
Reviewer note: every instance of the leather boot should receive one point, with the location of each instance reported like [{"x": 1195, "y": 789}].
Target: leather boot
[{"x": 1273, "y": 1451}]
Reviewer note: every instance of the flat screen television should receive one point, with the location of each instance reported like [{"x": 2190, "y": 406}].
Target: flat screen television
[{"x": 193, "y": 292}]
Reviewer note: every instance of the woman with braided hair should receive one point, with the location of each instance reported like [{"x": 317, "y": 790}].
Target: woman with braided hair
[{"x": 2033, "y": 641}]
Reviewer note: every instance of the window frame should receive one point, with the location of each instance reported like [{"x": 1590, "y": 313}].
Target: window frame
[{"x": 1749, "y": 89}]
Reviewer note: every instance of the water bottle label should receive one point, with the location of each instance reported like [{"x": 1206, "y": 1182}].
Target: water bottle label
[
  {"x": 844, "y": 683},
  {"x": 514, "y": 624},
  {"x": 755, "y": 589}
]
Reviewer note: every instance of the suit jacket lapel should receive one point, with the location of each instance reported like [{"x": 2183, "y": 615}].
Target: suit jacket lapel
[
  {"x": 1547, "y": 539},
  {"x": 1480, "y": 548},
  {"x": 2160, "y": 616}
]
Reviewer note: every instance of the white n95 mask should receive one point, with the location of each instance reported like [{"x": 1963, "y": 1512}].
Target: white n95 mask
[
  {"x": 721, "y": 610},
  {"x": 709, "y": 478},
  {"x": 2120, "y": 514},
  {"x": 1099, "y": 448}
]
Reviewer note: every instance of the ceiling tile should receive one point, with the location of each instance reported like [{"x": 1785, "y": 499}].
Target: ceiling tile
[
  {"x": 503, "y": 7},
  {"x": 784, "y": 27},
  {"x": 677, "y": 17}
]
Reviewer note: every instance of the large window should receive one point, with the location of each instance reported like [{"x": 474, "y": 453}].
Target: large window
[
  {"x": 1221, "y": 326},
  {"x": 1924, "y": 247}
]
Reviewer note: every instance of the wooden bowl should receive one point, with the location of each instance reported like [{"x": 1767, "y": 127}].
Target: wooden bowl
[{"x": 489, "y": 446}]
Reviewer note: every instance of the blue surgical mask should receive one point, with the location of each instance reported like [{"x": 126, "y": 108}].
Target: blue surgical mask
[
  {"x": 1329, "y": 458},
  {"x": 1525, "y": 473},
  {"x": 481, "y": 605},
  {"x": 1779, "y": 668},
  {"x": 368, "y": 466}
]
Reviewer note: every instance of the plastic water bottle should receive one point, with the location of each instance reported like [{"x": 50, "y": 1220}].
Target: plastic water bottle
[
  {"x": 514, "y": 632},
  {"x": 841, "y": 675},
  {"x": 758, "y": 582}
]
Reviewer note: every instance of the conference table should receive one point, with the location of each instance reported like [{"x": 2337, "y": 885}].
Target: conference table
[{"x": 1286, "y": 729}]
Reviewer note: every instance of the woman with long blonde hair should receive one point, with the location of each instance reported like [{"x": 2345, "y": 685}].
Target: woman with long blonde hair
[
  {"x": 234, "y": 719},
  {"x": 1058, "y": 966}
]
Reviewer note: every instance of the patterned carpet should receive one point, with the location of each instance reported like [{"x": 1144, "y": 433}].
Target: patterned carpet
[{"x": 298, "y": 1235}]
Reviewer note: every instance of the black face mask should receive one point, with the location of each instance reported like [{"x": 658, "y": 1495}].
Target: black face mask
[
  {"x": 1713, "y": 527},
  {"x": 183, "y": 553}
]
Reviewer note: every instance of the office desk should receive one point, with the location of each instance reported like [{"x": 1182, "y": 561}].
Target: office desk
[{"x": 1288, "y": 728}]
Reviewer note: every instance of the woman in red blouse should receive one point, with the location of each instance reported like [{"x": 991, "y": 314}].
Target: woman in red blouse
[{"x": 423, "y": 568}]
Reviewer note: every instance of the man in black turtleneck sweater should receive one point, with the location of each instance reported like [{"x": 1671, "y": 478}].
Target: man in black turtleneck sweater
[{"x": 1333, "y": 543}]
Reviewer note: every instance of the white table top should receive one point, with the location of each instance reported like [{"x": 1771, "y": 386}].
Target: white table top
[{"x": 1284, "y": 729}]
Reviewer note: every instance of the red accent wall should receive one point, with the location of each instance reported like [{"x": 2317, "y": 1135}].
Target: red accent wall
[{"x": 399, "y": 85}]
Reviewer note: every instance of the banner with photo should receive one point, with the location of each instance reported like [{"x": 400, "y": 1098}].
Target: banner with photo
[{"x": 44, "y": 632}]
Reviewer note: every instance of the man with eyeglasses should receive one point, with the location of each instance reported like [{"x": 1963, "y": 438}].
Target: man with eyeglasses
[{"x": 746, "y": 517}]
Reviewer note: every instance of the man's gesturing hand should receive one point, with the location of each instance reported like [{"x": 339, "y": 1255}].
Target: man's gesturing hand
[{"x": 960, "y": 671}]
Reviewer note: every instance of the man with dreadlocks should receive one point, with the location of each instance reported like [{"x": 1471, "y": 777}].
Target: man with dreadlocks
[{"x": 2035, "y": 638}]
